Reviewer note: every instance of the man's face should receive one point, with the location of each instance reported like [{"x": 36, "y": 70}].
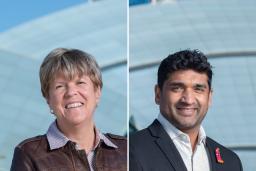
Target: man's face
[
  {"x": 184, "y": 99},
  {"x": 73, "y": 101}
]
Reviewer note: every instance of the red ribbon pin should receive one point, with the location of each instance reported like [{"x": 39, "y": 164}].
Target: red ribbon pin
[{"x": 218, "y": 156}]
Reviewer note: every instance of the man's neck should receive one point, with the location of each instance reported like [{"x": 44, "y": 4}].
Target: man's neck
[{"x": 193, "y": 136}]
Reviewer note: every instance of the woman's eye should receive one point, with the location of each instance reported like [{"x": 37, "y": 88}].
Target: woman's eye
[
  {"x": 58, "y": 86},
  {"x": 81, "y": 82}
]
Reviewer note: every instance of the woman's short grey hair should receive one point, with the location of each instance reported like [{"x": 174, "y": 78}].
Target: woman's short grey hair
[{"x": 70, "y": 63}]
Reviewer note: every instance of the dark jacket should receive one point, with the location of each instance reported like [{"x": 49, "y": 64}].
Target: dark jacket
[
  {"x": 34, "y": 154},
  {"x": 152, "y": 149}
]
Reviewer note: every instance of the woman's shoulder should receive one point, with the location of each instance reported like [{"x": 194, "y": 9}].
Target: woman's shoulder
[
  {"x": 33, "y": 143},
  {"x": 116, "y": 137},
  {"x": 120, "y": 141}
]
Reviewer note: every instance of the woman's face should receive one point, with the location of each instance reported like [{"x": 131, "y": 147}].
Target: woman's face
[{"x": 73, "y": 101}]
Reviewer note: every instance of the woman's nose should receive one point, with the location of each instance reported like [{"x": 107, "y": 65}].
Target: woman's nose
[{"x": 71, "y": 91}]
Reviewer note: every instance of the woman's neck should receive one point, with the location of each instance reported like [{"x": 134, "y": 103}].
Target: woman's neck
[{"x": 82, "y": 134}]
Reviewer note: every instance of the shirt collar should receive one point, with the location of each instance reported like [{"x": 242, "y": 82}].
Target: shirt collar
[
  {"x": 175, "y": 133},
  {"x": 57, "y": 139},
  {"x": 201, "y": 135},
  {"x": 105, "y": 140}
]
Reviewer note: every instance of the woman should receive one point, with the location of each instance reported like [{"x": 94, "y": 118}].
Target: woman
[{"x": 71, "y": 83}]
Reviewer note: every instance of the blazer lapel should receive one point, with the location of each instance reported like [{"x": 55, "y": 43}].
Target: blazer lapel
[
  {"x": 211, "y": 149},
  {"x": 167, "y": 146}
]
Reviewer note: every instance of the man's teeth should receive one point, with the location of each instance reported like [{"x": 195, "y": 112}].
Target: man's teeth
[
  {"x": 73, "y": 105},
  {"x": 187, "y": 109}
]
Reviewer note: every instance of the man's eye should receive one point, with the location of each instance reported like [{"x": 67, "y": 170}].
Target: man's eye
[
  {"x": 199, "y": 89},
  {"x": 176, "y": 88}
]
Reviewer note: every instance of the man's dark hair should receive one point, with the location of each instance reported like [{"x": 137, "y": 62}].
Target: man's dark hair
[{"x": 184, "y": 60}]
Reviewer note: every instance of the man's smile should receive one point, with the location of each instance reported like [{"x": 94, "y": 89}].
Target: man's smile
[{"x": 186, "y": 111}]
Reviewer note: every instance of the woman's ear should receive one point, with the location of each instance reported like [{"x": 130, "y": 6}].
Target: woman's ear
[
  {"x": 98, "y": 94},
  {"x": 51, "y": 109}
]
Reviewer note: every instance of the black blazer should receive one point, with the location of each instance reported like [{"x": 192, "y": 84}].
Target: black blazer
[{"x": 152, "y": 149}]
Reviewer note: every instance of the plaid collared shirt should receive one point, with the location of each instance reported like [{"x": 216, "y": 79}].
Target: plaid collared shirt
[{"x": 57, "y": 140}]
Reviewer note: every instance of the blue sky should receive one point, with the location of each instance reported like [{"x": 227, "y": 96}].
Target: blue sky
[{"x": 15, "y": 12}]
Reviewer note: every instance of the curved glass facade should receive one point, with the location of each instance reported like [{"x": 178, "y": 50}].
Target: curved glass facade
[{"x": 209, "y": 25}]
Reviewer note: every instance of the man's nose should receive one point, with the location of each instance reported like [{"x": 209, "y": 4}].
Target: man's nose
[{"x": 188, "y": 97}]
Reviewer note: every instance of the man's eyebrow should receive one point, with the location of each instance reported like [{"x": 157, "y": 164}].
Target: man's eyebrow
[
  {"x": 174, "y": 83},
  {"x": 200, "y": 85}
]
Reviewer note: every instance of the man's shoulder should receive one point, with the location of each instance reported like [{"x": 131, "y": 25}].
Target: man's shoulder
[
  {"x": 141, "y": 134},
  {"x": 224, "y": 157},
  {"x": 140, "y": 139},
  {"x": 33, "y": 144},
  {"x": 151, "y": 132},
  {"x": 213, "y": 145}
]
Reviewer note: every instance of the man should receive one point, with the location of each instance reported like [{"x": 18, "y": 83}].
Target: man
[{"x": 176, "y": 141}]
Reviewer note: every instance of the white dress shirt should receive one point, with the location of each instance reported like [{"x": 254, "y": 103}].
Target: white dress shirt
[{"x": 194, "y": 161}]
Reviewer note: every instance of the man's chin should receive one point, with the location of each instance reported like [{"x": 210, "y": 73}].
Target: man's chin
[{"x": 186, "y": 126}]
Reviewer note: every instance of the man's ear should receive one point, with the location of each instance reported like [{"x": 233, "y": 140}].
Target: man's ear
[
  {"x": 157, "y": 94},
  {"x": 210, "y": 98}
]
